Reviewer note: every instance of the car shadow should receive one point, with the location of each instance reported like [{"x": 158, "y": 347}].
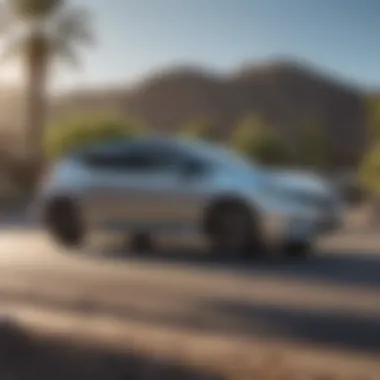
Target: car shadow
[
  {"x": 338, "y": 267},
  {"x": 359, "y": 270}
]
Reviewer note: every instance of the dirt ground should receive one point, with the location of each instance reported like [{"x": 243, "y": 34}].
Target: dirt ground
[
  {"x": 27, "y": 356},
  {"x": 43, "y": 353}
]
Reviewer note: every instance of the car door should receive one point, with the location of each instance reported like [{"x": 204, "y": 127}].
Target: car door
[
  {"x": 190, "y": 192},
  {"x": 164, "y": 187},
  {"x": 148, "y": 185},
  {"x": 133, "y": 186},
  {"x": 103, "y": 194}
]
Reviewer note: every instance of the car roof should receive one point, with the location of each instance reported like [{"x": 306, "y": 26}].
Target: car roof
[
  {"x": 115, "y": 144},
  {"x": 212, "y": 152}
]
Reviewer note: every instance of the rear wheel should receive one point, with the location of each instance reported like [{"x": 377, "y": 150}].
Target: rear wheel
[
  {"x": 233, "y": 231},
  {"x": 64, "y": 223}
]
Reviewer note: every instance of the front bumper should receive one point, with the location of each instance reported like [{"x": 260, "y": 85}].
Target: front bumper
[
  {"x": 328, "y": 225},
  {"x": 280, "y": 228}
]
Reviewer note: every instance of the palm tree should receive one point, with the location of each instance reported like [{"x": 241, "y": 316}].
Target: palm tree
[{"x": 40, "y": 31}]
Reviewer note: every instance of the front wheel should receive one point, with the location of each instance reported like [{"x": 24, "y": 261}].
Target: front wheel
[{"x": 233, "y": 231}]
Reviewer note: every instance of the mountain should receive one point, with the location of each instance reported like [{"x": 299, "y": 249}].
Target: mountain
[{"x": 286, "y": 94}]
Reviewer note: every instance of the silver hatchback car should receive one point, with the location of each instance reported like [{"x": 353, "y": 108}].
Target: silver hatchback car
[{"x": 153, "y": 186}]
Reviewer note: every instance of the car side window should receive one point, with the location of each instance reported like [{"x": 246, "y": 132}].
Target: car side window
[
  {"x": 148, "y": 161},
  {"x": 102, "y": 160},
  {"x": 140, "y": 158}
]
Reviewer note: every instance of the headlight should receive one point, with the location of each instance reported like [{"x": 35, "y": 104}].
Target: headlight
[
  {"x": 283, "y": 194},
  {"x": 302, "y": 198}
]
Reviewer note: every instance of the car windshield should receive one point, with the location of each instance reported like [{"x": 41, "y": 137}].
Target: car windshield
[{"x": 221, "y": 155}]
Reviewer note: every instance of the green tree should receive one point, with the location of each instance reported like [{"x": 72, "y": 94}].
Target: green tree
[
  {"x": 373, "y": 117},
  {"x": 78, "y": 131},
  {"x": 202, "y": 130},
  {"x": 40, "y": 31},
  {"x": 313, "y": 146},
  {"x": 369, "y": 171},
  {"x": 255, "y": 140}
]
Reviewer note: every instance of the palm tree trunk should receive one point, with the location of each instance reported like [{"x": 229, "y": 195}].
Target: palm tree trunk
[{"x": 36, "y": 67}]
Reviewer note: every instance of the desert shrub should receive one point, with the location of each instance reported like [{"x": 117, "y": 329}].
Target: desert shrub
[
  {"x": 369, "y": 172},
  {"x": 313, "y": 146},
  {"x": 202, "y": 130},
  {"x": 79, "y": 131},
  {"x": 254, "y": 139}
]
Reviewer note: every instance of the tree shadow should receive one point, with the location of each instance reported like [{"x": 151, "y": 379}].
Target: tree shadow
[
  {"x": 319, "y": 327},
  {"x": 228, "y": 317},
  {"x": 24, "y": 355}
]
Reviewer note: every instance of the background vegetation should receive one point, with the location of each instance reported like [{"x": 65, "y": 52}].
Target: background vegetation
[
  {"x": 255, "y": 139},
  {"x": 78, "y": 131},
  {"x": 200, "y": 129}
]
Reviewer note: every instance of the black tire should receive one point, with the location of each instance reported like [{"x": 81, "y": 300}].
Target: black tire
[
  {"x": 297, "y": 250},
  {"x": 64, "y": 223},
  {"x": 233, "y": 231},
  {"x": 141, "y": 243}
]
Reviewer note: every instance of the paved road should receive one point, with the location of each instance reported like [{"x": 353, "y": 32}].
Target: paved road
[{"x": 331, "y": 301}]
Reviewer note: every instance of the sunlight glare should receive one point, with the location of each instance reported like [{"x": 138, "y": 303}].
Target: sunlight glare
[{"x": 10, "y": 73}]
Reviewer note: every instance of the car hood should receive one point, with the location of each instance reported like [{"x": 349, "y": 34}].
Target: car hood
[{"x": 299, "y": 181}]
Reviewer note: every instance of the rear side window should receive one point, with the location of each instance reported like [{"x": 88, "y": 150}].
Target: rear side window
[
  {"x": 101, "y": 160},
  {"x": 140, "y": 157}
]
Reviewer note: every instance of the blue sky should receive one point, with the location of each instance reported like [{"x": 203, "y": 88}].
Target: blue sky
[{"x": 136, "y": 37}]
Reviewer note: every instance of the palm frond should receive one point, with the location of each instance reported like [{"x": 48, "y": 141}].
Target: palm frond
[
  {"x": 61, "y": 50},
  {"x": 6, "y": 19},
  {"x": 73, "y": 25},
  {"x": 34, "y": 9},
  {"x": 59, "y": 31}
]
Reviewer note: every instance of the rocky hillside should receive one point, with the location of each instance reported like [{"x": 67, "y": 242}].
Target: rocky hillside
[{"x": 286, "y": 94}]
